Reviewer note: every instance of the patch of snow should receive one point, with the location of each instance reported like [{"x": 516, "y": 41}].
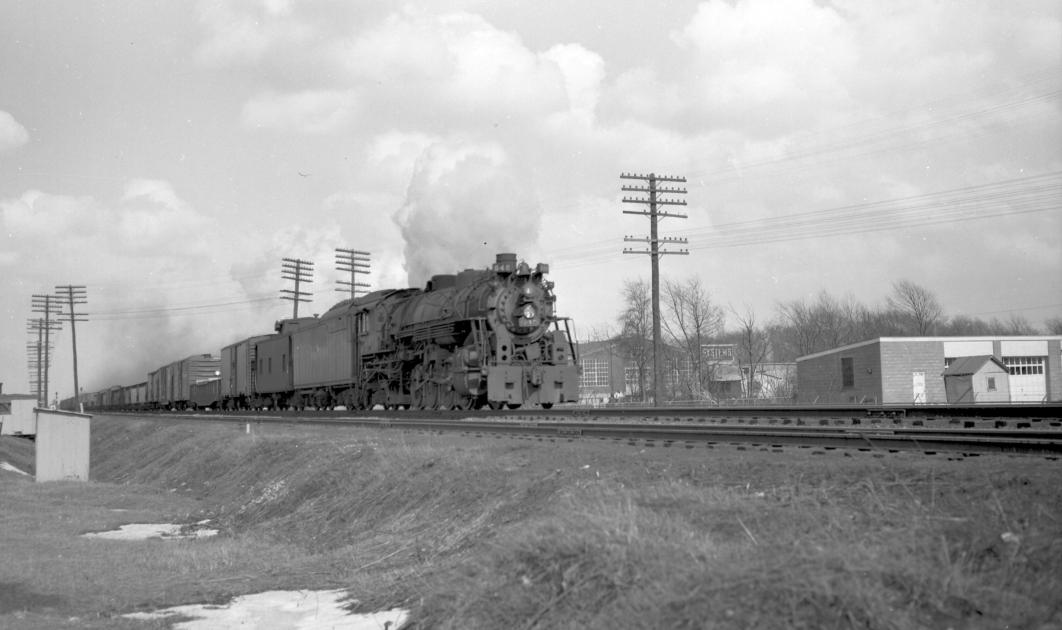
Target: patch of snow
[
  {"x": 7, "y": 466},
  {"x": 144, "y": 531},
  {"x": 277, "y": 610}
]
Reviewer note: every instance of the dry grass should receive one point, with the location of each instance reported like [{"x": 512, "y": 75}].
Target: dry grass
[{"x": 528, "y": 533}]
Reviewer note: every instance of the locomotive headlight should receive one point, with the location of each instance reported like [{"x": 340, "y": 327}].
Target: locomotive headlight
[{"x": 529, "y": 311}]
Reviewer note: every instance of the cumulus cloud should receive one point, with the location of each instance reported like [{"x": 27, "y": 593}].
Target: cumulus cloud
[
  {"x": 149, "y": 260},
  {"x": 767, "y": 67},
  {"x": 12, "y": 134},
  {"x": 371, "y": 228},
  {"x": 244, "y": 31},
  {"x": 37, "y": 217},
  {"x": 259, "y": 271},
  {"x": 583, "y": 72}
]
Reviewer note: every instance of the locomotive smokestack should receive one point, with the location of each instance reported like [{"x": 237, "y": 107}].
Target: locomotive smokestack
[{"x": 505, "y": 263}]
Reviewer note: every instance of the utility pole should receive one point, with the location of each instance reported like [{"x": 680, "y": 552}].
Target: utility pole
[
  {"x": 37, "y": 354},
  {"x": 33, "y": 355},
  {"x": 355, "y": 262},
  {"x": 654, "y": 201},
  {"x": 74, "y": 294},
  {"x": 47, "y": 305},
  {"x": 300, "y": 271}
]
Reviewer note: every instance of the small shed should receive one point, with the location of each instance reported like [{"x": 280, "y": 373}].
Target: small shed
[
  {"x": 977, "y": 379},
  {"x": 63, "y": 445},
  {"x": 16, "y": 414}
]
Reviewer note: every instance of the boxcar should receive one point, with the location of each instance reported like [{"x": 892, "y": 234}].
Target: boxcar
[
  {"x": 274, "y": 376},
  {"x": 238, "y": 368},
  {"x": 205, "y": 394},
  {"x": 112, "y": 398},
  {"x": 134, "y": 396}
]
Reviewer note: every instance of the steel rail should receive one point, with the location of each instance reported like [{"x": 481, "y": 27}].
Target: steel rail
[{"x": 927, "y": 440}]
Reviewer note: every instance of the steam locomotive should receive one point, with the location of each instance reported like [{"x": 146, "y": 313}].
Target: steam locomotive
[{"x": 487, "y": 337}]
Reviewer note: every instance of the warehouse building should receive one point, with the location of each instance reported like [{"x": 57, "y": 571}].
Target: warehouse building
[{"x": 910, "y": 370}]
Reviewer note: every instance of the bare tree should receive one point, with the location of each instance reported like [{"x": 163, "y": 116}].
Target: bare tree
[
  {"x": 1054, "y": 326},
  {"x": 882, "y": 322},
  {"x": 964, "y": 325},
  {"x": 1019, "y": 325},
  {"x": 753, "y": 348},
  {"x": 636, "y": 328},
  {"x": 690, "y": 321},
  {"x": 823, "y": 324},
  {"x": 919, "y": 305}
]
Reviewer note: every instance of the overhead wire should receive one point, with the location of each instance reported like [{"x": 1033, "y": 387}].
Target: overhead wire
[{"x": 1031, "y": 194}]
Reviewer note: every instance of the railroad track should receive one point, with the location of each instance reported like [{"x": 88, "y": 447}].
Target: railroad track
[{"x": 929, "y": 440}]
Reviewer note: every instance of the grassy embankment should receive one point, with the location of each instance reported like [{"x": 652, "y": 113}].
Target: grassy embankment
[{"x": 507, "y": 533}]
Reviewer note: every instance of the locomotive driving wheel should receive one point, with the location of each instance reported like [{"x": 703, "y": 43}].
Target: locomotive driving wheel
[
  {"x": 447, "y": 397},
  {"x": 417, "y": 383},
  {"x": 431, "y": 394}
]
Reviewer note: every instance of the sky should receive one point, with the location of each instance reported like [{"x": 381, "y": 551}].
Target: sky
[{"x": 168, "y": 155}]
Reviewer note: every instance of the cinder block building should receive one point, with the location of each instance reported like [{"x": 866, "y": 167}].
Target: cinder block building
[{"x": 909, "y": 370}]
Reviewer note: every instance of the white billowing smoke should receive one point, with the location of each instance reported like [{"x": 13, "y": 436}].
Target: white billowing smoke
[{"x": 465, "y": 203}]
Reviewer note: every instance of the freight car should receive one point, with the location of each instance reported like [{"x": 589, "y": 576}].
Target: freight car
[
  {"x": 205, "y": 394},
  {"x": 169, "y": 387},
  {"x": 480, "y": 337},
  {"x": 237, "y": 388},
  {"x": 134, "y": 397}
]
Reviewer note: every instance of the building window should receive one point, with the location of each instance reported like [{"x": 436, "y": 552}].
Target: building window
[
  {"x": 991, "y": 383},
  {"x": 595, "y": 373},
  {"x": 1024, "y": 365},
  {"x": 630, "y": 378},
  {"x": 847, "y": 372}
]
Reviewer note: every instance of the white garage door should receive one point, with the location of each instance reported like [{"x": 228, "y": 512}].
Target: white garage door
[{"x": 1028, "y": 381}]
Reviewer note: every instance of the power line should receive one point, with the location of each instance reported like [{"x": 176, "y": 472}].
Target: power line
[
  {"x": 1017, "y": 196},
  {"x": 1031, "y": 194},
  {"x": 172, "y": 311}
]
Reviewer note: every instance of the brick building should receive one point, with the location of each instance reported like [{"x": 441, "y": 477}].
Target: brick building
[{"x": 909, "y": 370}]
